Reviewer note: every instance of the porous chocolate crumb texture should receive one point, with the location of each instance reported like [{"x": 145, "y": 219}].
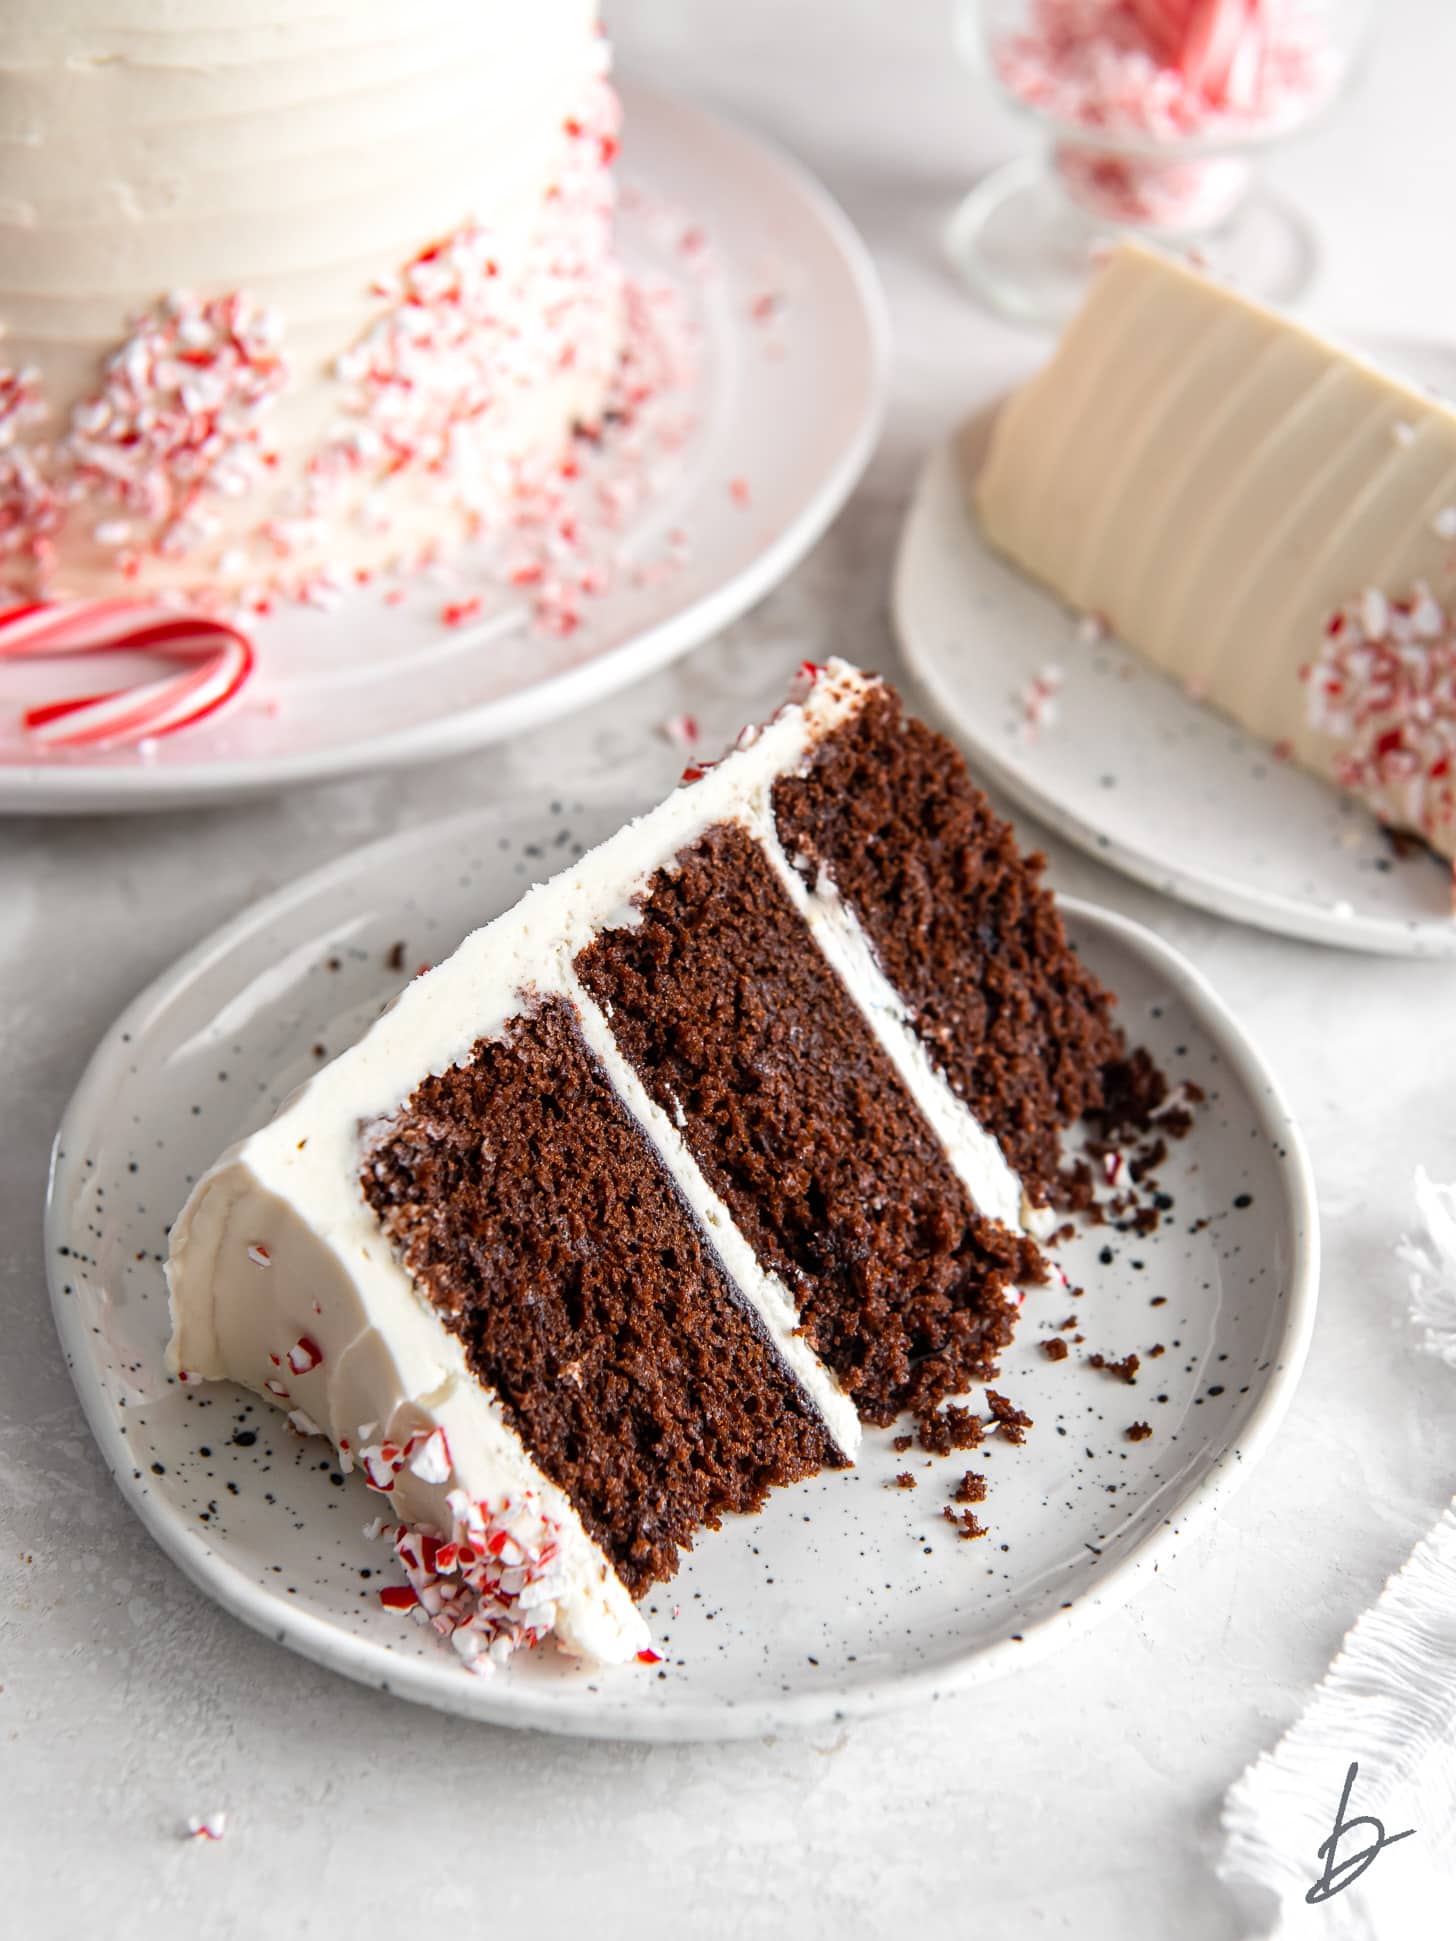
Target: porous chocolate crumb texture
[
  {"x": 733, "y": 1020},
  {"x": 952, "y": 1427},
  {"x": 1125, "y": 1370},
  {"x": 962, "y": 925},
  {"x": 1011, "y": 1421},
  {"x": 529, "y": 1207},
  {"x": 968, "y": 1524}
]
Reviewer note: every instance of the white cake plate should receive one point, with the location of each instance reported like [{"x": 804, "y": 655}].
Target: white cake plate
[
  {"x": 1124, "y": 763},
  {"x": 790, "y": 407},
  {"x": 845, "y": 1596}
]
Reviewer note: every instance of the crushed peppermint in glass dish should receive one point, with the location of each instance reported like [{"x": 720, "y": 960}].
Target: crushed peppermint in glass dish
[{"x": 1127, "y": 80}]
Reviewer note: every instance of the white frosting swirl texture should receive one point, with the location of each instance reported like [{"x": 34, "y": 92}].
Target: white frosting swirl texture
[{"x": 287, "y": 290}]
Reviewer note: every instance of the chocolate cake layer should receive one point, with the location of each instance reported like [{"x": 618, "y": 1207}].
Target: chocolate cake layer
[
  {"x": 528, "y": 1206},
  {"x": 961, "y": 925},
  {"x": 744, "y": 1036}
]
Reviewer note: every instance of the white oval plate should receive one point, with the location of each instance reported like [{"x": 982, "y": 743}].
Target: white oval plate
[
  {"x": 844, "y": 1597},
  {"x": 1127, "y": 765},
  {"x": 792, "y": 408}
]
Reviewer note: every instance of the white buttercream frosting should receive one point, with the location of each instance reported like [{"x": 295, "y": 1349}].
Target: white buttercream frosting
[
  {"x": 278, "y": 1247},
  {"x": 973, "y": 1153},
  {"x": 298, "y": 158}
]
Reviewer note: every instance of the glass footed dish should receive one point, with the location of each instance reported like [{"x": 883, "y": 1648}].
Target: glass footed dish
[{"x": 1154, "y": 117}]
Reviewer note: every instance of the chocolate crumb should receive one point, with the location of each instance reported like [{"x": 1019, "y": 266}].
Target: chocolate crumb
[
  {"x": 394, "y": 960},
  {"x": 901, "y": 1444},
  {"x": 903, "y": 1481},
  {"x": 1012, "y": 1422},
  {"x": 1075, "y": 1190},
  {"x": 1055, "y": 1349},
  {"x": 967, "y": 1524},
  {"x": 1138, "y": 1431},
  {"x": 970, "y": 1489},
  {"x": 1126, "y": 1369},
  {"x": 1146, "y": 1158},
  {"x": 1157, "y": 1349},
  {"x": 1132, "y": 1090},
  {"x": 1158, "y": 1300},
  {"x": 949, "y": 1428}
]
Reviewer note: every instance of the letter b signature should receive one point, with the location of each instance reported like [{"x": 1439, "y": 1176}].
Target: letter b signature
[{"x": 1338, "y": 1875}]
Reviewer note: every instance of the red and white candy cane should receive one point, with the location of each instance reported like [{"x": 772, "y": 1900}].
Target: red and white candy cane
[
  {"x": 217, "y": 659},
  {"x": 1165, "y": 25},
  {"x": 1217, "y": 45}
]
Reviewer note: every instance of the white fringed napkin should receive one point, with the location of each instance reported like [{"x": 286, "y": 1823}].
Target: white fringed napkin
[
  {"x": 1433, "y": 1269},
  {"x": 1387, "y": 1702}
]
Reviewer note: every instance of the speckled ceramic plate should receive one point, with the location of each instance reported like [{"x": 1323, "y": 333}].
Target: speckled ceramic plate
[
  {"x": 1130, "y": 768},
  {"x": 845, "y": 1596},
  {"x": 783, "y": 411}
]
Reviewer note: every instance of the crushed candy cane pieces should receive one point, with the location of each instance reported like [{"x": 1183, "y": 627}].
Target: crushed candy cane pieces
[
  {"x": 1037, "y": 701},
  {"x": 305, "y": 1354},
  {"x": 1382, "y": 687},
  {"x": 431, "y": 1461},
  {"x": 683, "y": 732},
  {"x": 489, "y": 1585},
  {"x": 1150, "y": 74}
]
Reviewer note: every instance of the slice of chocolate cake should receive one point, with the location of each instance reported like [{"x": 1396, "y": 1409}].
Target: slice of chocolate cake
[{"x": 723, "y": 1141}]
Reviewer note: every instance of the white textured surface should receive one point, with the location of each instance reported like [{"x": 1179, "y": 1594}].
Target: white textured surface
[{"x": 1079, "y": 1799}]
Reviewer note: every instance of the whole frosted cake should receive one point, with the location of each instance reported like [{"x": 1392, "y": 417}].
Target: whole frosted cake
[
  {"x": 287, "y": 293},
  {"x": 717, "y": 1145}
]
